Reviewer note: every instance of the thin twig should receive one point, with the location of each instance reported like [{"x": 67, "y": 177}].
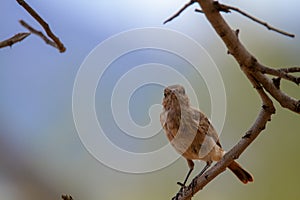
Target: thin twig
[
  {"x": 256, "y": 20},
  {"x": 14, "y": 39},
  {"x": 39, "y": 33},
  {"x": 290, "y": 69},
  {"x": 180, "y": 11},
  {"x": 44, "y": 24},
  {"x": 281, "y": 73},
  {"x": 227, "y": 8}
]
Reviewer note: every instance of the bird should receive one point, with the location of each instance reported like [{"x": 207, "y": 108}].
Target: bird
[{"x": 191, "y": 133}]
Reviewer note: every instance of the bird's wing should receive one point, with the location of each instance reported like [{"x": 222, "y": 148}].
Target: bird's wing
[{"x": 205, "y": 126}]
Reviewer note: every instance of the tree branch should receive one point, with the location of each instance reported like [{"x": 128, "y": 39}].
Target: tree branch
[
  {"x": 39, "y": 33},
  {"x": 14, "y": 39},
  {"x": 257, "y": 75},
  {"x": 200, "y": 182},
  {"x": 280, "y": 73},
  {"x": 44, "y": 24},
  {"x": 290, "y": 70},
  {"x": 180, "y": 11},
  {"x": 227, "y": 9},
  {"x": 285, "y": 101}
]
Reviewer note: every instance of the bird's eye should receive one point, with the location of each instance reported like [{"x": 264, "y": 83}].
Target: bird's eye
[{"x": 165, "y": 94}]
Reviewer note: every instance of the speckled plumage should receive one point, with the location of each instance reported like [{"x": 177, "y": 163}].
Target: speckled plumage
[{"x": 191, "y": 133}]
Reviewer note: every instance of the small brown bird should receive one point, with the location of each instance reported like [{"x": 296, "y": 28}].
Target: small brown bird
[{"x": 191, "y": 133}]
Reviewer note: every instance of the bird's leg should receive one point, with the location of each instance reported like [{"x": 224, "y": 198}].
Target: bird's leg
[
  {"x": 186, "y": 178},
  {"x": 208, "y": 164},
  {"x": 191, "y": 166},
  {"x": 180, "y": 192}
]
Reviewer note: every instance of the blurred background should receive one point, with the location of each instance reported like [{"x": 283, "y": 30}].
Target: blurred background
[{"x": 41, "y": 155}]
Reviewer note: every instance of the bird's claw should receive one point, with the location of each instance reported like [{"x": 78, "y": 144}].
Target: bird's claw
[
  {"x": 183, "y": 188},
  {"x": 181, "y": 184},
  {"x": 181, "y": 191}
]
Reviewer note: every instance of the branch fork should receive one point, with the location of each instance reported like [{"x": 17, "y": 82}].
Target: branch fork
[
  {"x": 52, "y": 39},
  {"x": 258, "y": 75}
]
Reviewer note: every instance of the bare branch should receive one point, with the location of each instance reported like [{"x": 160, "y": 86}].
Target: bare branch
[
  {"x": 257, "y": 75},
  {"x": 290, "y": 70},
  {"x": 285, "y": 100},
  {"x": 258, "y": 21},
  {"x": 199, "y": 182},
  {"x": 180, "y": 11},
  {"x": 282, "y": 73},
  {"x": 44, "y": 24},
  {"x": 246, "y": 60},
  {"x": 227, "y": 8},
  {"x": 39, "y": 33},
  {"x": 14, "y": 39}
]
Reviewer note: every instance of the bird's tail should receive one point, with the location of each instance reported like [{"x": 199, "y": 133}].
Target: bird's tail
[{"x": 242, "y": 174}]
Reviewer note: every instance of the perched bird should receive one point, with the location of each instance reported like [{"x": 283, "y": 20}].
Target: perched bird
[{"x": 191, "y": 133}]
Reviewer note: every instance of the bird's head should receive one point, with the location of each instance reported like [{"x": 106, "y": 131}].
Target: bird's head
[{"x": 175, "y": 97}]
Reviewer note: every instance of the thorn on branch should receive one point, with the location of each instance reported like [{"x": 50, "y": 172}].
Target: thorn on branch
[
  {"x": 247, "y": 136},
  {"x": 276, "y": 82},
  {"x": 180, "y": 11},
  {"x": 269, "y": 109},
  {"x": 237, "y": 31},
  {"x": 198, "y": 10},
  {"x": 298, "y": 80},
  {"x": 66, "y": 197},
  {"x": 298, "y": 107}
]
